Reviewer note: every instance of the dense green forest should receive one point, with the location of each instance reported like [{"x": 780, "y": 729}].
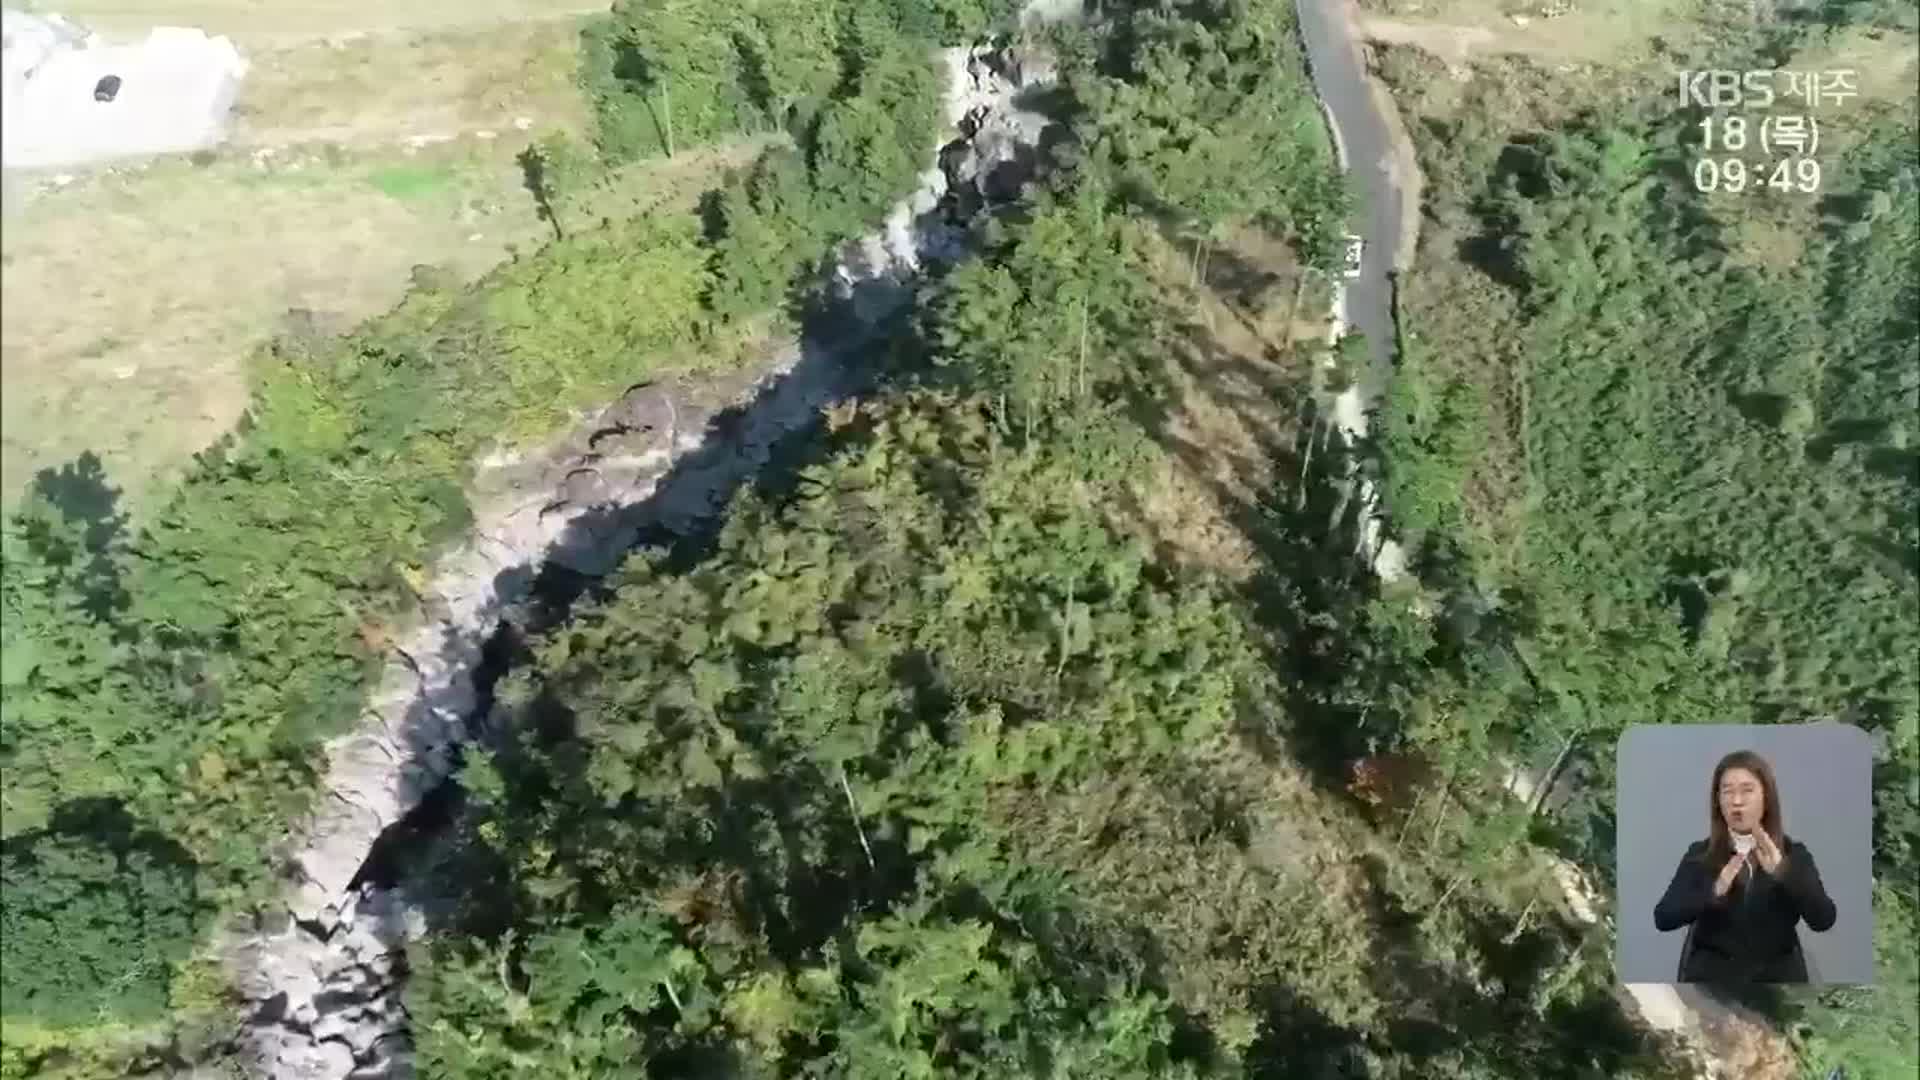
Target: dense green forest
[
  {"x": 167, "y": 687},
  {"x": 1663, "y": 479},
  {"x": 923, "y": 764},
  {"x": 925, "y": 760},
  {"x": 684, "y": 72}
]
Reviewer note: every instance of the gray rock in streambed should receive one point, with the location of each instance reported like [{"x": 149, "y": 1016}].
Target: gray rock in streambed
[{"x": 323, "y": 977}]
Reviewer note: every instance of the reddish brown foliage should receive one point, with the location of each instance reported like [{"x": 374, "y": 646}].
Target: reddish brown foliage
[{"x": 1387, "y": 783}]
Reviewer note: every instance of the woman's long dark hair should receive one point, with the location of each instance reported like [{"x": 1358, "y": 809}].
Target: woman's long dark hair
[{"x": 1719, "y": 837}]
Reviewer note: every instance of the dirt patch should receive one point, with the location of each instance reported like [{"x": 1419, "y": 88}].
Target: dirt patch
[
  {"x": 1588, "y": 31},
  {"x": 1180, "y": 516},
  {"x": 1231, "y": 378},
  {"x": 1454, "y": 44},
  {"x": 389, "y": 88}
]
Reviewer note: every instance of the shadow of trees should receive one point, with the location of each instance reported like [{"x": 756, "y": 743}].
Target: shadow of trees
[
  {"x": 82, "y": 492},
  {"x": 79, "y": 541},
  {"x": 1302, "y": 521},
  {"x": 534, "y": 175},
  {"x": 1296, "y": 1039}
]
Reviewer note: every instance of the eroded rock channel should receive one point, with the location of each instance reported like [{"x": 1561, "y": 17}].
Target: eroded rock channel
[{"x": 322, "y": 976}]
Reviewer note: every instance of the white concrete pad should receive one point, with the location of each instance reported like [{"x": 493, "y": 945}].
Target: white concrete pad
[{"x": 176, "y": 89}]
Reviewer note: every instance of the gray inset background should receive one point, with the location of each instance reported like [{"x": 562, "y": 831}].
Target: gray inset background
[{"x": 1825, "y": 773}]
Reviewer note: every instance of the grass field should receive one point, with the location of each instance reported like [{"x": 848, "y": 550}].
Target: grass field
[
  {"x": 135, "y": 293},
  {"x": 132, "y": 299}
]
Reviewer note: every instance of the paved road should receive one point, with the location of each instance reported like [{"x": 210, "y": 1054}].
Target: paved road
[
  {"x": 1363, "y": 134},
  {"x": 1366, "y": 134}
]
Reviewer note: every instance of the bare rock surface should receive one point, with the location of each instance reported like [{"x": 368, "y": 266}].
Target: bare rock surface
[{"x": 324, "y": 986}]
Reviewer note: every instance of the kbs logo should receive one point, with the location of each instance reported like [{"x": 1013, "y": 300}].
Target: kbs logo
[
  {"x": 1727, "y": 89},
  {"x": 1760, "y": 89}
]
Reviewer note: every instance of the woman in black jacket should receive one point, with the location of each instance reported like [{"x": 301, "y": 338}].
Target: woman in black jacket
[{"x": 1744, "y": 888}]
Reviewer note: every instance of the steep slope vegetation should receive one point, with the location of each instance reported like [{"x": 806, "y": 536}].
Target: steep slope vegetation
[
  {"x": 924, "y": 764},
  {"x": 167, "y": 691},
  {"x": 1657, "y": 450}
]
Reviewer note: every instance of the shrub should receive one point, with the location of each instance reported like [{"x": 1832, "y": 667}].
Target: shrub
[{"x": 94, "y": 917}]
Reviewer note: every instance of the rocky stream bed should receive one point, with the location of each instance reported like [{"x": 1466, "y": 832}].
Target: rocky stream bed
[{"x": 322, "y": 975}]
